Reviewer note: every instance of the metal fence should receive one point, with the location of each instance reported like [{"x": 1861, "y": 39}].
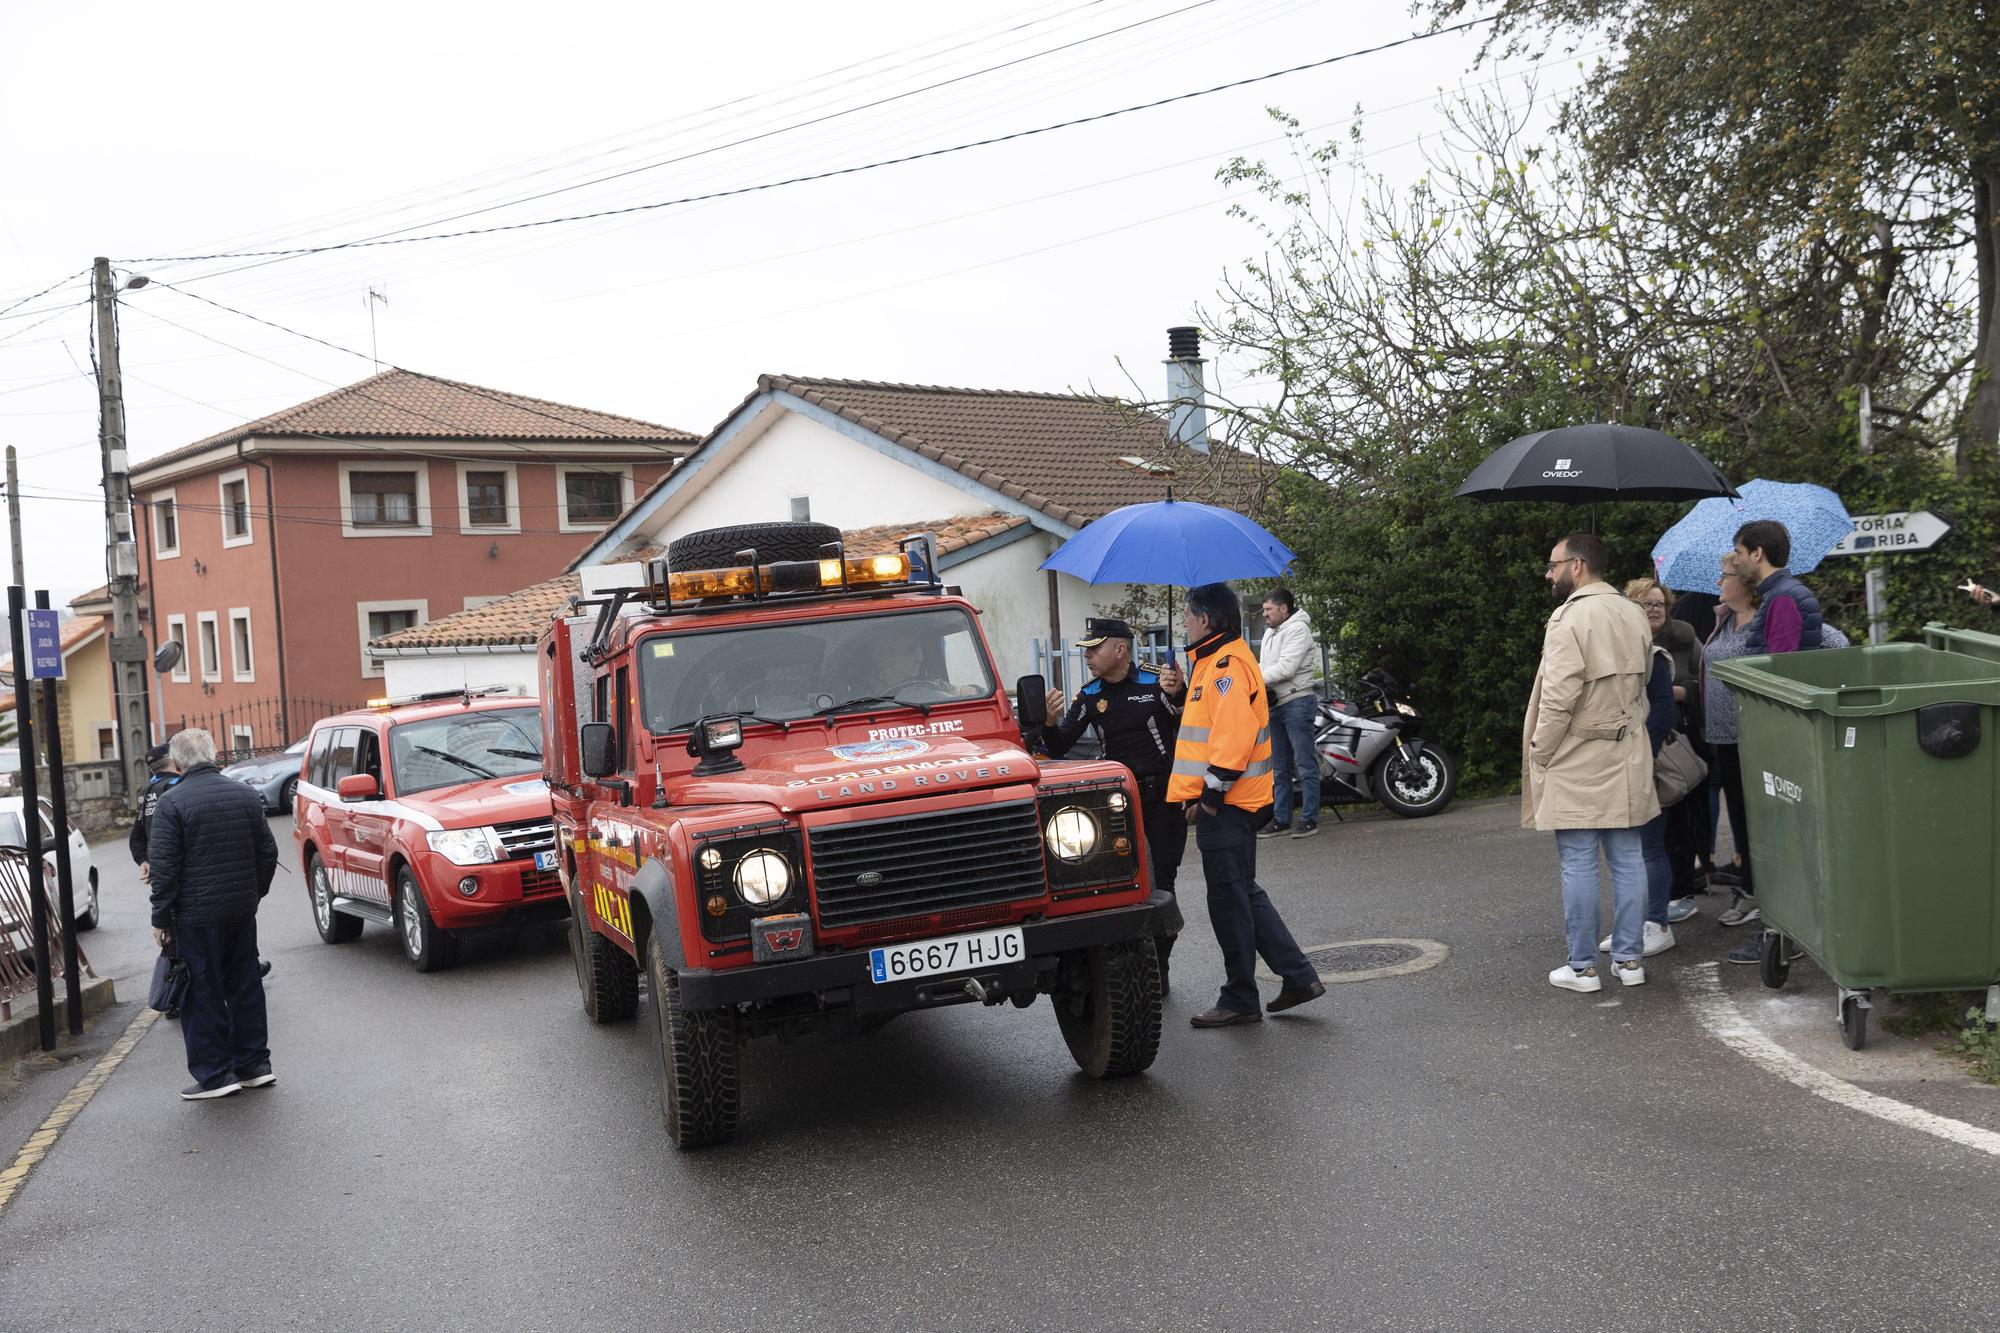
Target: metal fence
[
  {"x": 257, "y": 726},
  {"x": 17, "y": 931}
]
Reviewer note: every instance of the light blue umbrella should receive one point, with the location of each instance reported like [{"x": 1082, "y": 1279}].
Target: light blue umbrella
[
  {"x": 1689, "y": 555},
  {"x": 1171, "y": 541}
]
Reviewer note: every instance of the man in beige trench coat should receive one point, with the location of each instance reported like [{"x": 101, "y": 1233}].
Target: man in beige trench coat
[{"x": 1586, "y": 765}]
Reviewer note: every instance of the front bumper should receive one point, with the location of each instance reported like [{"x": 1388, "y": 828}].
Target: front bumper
[
  {"x": 508, "y": 890},
  {"x": 841, "y": 980}
]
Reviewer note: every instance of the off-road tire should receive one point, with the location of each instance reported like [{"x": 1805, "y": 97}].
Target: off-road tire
[
  {"x": 605, "y": 973},
  {"x": 427, "y": 948},
  {"x": 699, "y": 1094},
  {"x": 1111, "y": 1016},
  {"x": 334, "y": 927},
  {"x": 716, "y": 548},
  {"x": 1439, "y": 796}
]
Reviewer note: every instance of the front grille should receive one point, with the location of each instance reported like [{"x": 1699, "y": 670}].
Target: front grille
[
  {"x": 523, "y": 839},
  {"x": 540, "y": 883},
  {"x": 940, "y": 862}
]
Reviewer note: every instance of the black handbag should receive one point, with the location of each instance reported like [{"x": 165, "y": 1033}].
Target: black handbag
[{"x": 170, "y": 984}]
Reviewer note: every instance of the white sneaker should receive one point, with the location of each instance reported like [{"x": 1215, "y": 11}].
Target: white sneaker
[
  {"x": 1657, "y": 939},
  {"x": 1630, "y": 973},
  {"x": 1567, "y": 977}
]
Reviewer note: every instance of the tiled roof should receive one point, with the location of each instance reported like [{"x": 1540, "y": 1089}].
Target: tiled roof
[
  {"x": 1059, "y": 453},
  {"x": 400, "y": 404},
  {"x": 521, "y": 617}
]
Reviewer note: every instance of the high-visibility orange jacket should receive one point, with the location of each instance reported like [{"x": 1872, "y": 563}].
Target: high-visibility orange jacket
[{"x": 1225, "y": 738}]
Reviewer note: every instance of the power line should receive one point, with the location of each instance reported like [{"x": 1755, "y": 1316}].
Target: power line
[
  {"x": 374, "y": 242},
  {"x": 44, "y": 291}
]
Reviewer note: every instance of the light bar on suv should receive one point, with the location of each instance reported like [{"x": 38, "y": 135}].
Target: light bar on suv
[{"x": 788, "y": 576}]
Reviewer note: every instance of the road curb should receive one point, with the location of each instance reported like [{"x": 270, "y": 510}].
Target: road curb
[{"x": 21, "y": 1035}]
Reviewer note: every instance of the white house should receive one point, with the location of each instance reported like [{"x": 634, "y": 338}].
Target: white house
[{"x": 1001, "y": 477}]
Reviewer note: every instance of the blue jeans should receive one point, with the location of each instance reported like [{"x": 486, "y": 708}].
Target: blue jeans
[
  {"x": 1293, "y": 759},
  {"x": 1578, "y": 849},
  {"x": 1659, "y": 870}
]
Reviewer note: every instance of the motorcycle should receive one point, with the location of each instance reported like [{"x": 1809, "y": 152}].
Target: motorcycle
[{"x": 1371, "y": 750}]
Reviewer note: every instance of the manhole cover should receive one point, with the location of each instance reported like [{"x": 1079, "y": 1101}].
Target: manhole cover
[
  {"x": 1360, "y": 957},
  {"x": 1367, "y": 960}
]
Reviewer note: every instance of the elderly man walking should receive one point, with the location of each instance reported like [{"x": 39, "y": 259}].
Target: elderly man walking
[
  {"x": 1586, "y": 766},
  {"x": 211, "y": 858}
]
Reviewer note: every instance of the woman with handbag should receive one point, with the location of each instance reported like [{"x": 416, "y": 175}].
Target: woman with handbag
[{"x": 1687, "y": 822}]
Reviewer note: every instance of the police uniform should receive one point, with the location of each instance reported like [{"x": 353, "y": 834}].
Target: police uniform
[
  {"x": 1136, "y": 721},
  {"x": 158, "y": 785},
  {"x": 1222, "y": 762}
]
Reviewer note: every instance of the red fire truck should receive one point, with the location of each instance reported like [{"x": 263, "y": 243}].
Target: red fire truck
[{"x": 788, "y": 787}]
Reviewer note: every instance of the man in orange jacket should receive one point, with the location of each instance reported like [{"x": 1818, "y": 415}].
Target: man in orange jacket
[{"x": 1222, "y": 770}]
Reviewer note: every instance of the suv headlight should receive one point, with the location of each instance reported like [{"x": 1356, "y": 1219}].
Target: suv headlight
[
  {"x": 1071, "y": 833},
  {"x": 762, "y": 877},
  {"x": 466, "y": 846}
]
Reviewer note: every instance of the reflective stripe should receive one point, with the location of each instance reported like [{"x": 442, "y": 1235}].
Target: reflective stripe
[
  {"x": 1190, "y": 768},
  {"x": 1195, "y": 735},
  {"x": 1264, "y": 736},
  {"x": 1258, "y": 769}
]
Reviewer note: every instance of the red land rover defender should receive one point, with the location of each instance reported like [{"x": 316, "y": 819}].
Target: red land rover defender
[
  {"x": 430, "y": 816},
  {"x": 787, "y": 784}
]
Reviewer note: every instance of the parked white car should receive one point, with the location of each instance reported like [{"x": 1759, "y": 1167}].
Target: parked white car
[{"x": 83, "y": 875}]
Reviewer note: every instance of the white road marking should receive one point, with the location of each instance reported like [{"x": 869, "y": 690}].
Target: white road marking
[{"x": 1715, "y": 1011}]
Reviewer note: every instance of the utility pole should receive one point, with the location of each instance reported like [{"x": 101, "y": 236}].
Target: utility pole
[
  {"x": 121, "y": 552},
  {"x": 14, "y": 512}
]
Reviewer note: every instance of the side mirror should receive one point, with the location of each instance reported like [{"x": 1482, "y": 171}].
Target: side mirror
[
  {"x": 1031, "y": 700},
  {"x": 358, "y": 787},
  {"x": 599, "y": 743}
]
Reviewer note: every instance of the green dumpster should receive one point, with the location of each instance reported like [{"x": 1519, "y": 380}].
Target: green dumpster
[{"x": 1871, "y": 779}]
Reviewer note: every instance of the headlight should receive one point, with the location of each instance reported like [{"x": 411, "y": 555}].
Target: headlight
[
  {"x": 1407, "y": 710},
  {"x": 1071, "y": 833},
  {"x": 762, "y": 877},
  {"x": 466, "y": 846}
]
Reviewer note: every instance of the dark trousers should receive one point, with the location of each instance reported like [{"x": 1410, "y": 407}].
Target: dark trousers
[
  {"x": 1166, "y": 844},
  {"x": 1246, "y": 924},
  {"x": 1729, "y": 768},
  {"x": 222, "y": 1019},
  {"x": 1700, "y": 807}
]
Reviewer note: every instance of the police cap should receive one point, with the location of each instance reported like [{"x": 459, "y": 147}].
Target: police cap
[{"x": 1096, "y": 630}]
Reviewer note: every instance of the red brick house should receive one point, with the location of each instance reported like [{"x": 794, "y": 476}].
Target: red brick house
[{"x": 275, "y": 550}]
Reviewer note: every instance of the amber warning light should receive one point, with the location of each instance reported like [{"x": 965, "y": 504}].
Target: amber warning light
[{"x": 788, "y": 576}]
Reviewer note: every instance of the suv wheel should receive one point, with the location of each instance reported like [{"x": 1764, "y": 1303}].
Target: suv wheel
[
  {"x": 699, "y": 1099},
  {"x": 87, "y": 919},
  {"x": 334, "y": 927},
  {"x": 428, "y": 948},
  {"x": 1108, "y": 1004},
  {"x": 605, "y": 973}
]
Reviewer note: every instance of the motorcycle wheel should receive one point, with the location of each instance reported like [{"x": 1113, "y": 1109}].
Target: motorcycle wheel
[{"x": 1421, "y": 787}]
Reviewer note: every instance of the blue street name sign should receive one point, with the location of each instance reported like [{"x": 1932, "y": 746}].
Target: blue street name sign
[{"x": 44, "y": 634}]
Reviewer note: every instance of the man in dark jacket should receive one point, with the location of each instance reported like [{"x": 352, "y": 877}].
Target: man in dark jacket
[
  {"x": 165, "y": 775},
  {"x": 1788, "y": 617},
  {"x": 211, "y": 857}
]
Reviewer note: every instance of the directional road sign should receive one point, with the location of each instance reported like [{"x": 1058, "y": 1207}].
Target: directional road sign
[
  {"x": 44, "y": 634},
  {"x": 1885, "y": 534}
]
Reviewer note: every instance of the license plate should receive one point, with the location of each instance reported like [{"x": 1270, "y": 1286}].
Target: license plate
[
  {"x": 545, "y": 860},
  {"x": 956, "y": 953}
]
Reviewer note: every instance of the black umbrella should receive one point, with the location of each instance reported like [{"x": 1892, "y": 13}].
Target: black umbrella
[{"x": 1600, "y": 461}]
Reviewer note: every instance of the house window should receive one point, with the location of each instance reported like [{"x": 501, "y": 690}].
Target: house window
[
  {"x": 107, "y": 742},
  {"x": 486, "y": 499},
  {"x": 235, "y": 508},
  {"x": 242, "y": 740},
  {"x": 383, "y": 499},
  {"x": 177, "y": 632},
  {"x": 166, "y": 526},
  {"x": 593, "y": 498},
  {"x": 241, "y": 663},
  {"x": 211, "y": 647},
  {"x": 376, "y": 620}
]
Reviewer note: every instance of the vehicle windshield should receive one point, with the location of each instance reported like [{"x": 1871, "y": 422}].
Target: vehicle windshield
[
  {"x": 792, "y": 672},
  {"x": 11, "y": 832},
  {"x": 465, "y": 747}
]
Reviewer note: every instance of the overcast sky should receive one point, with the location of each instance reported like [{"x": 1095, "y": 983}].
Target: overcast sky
[{"x": 141, "y": 130}]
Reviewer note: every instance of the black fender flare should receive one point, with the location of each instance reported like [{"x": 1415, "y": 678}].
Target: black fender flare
[{"x": 654, "y": 913}]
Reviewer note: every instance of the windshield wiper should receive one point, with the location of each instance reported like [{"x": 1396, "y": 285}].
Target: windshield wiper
[
  {"x": 782, "y": 724},
  {"x": 515, "y": 754},
  {"x": 868, "y": 699},
  {"x": 460, "y": 760}
]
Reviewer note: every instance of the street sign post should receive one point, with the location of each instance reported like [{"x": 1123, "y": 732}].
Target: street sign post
[
  {"x": 1888, "y": 534},
  {"x": 1885, "y": 534},
  {"x": 45, "y": 659}
]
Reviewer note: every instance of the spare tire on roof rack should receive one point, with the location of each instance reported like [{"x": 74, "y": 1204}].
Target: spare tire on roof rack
[{"x": 718, "y": 548}]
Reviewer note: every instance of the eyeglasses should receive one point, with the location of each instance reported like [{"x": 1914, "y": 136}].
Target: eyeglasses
[{"x": 1564, "y": 561}]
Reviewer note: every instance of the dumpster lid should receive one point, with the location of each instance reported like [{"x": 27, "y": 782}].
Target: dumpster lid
[
  {"x": 1866, "y": 681},
  {"x": 1971, "y": 642}
]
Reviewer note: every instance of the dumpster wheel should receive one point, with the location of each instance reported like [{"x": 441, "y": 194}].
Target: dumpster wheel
[
  {"x": 1854, "y": 1008},
  {"x": 1772, "y": 965}
]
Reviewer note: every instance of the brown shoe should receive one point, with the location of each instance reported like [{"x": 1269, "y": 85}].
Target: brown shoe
[
  {"x": 1219, "y": 1017},
  {"x": 1291, "y": 997}
]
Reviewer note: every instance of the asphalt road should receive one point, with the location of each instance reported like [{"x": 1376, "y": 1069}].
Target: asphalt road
[{"x": 1460, "y": 1148}]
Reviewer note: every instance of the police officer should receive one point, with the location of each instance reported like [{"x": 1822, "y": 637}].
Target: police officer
[
  {"x": 1222, "y": 770},
  {"x": 1136, "y": 712},
  {"x": 165, "y": 775}
]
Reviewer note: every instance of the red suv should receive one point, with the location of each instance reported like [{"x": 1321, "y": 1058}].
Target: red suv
[{"x": 428, "y": 815}]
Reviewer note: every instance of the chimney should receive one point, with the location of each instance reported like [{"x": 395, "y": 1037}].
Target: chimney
[{"x": 1187, "y": 396}]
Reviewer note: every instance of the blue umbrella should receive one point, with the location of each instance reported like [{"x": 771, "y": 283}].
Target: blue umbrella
[
  {"x": 1689, "y": 555},
  {"x": 1174, "y": 542}
]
